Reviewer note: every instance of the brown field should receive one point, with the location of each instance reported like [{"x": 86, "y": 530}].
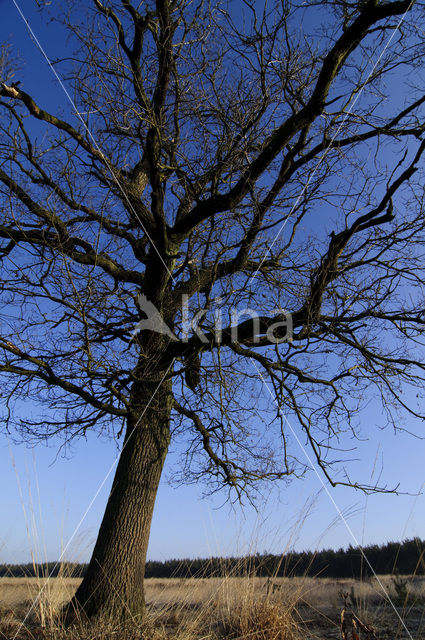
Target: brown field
[{"x": 225, "y": 608}]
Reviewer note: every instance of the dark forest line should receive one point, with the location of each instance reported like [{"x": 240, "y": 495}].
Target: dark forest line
[{"x": 403, "y": 558}]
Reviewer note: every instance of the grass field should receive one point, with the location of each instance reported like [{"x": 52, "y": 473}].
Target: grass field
[{"x": 227, "y": 608}]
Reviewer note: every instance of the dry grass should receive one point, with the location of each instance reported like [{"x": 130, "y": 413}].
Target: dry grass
[
  {"x": 218, "y": 609},
  {"x": 211, "y": 609},
  {"x": 16, "y": 591}
]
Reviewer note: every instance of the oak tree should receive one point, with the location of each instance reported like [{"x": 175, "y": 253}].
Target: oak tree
[{"x": 225, "y": 238}]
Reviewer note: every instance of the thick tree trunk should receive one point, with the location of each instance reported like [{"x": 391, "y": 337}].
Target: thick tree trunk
[{"x": 113, "y": 583}]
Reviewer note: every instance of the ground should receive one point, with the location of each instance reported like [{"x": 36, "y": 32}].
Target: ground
[{"x": 231, "y": 608}]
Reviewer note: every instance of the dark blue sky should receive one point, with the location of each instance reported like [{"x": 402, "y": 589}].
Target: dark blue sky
[{"x": 55, "y": 493}]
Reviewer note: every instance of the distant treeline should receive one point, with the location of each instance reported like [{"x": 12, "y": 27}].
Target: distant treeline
[{"x": 394, "y": 557}]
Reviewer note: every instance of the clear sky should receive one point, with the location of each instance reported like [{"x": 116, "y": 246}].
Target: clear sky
[{"x": 45, "y": 498}]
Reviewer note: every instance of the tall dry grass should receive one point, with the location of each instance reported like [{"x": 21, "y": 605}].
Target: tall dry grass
[
  {"x": 213, "y": 609},
  {"x": 230, "y": 608}
]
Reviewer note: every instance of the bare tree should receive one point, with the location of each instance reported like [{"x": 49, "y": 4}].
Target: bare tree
[{"x": 217, "y": 163}]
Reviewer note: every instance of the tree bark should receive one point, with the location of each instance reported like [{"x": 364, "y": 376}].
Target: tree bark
[{"x": 113, "y": 584}]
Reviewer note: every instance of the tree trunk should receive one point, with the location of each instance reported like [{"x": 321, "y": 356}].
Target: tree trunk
[{"x": 113, "y": 583}]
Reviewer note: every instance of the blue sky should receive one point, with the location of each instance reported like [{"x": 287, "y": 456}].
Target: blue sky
[
  {"x": 55, "y": 492},
  {"x": 45, "y": 495}
]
